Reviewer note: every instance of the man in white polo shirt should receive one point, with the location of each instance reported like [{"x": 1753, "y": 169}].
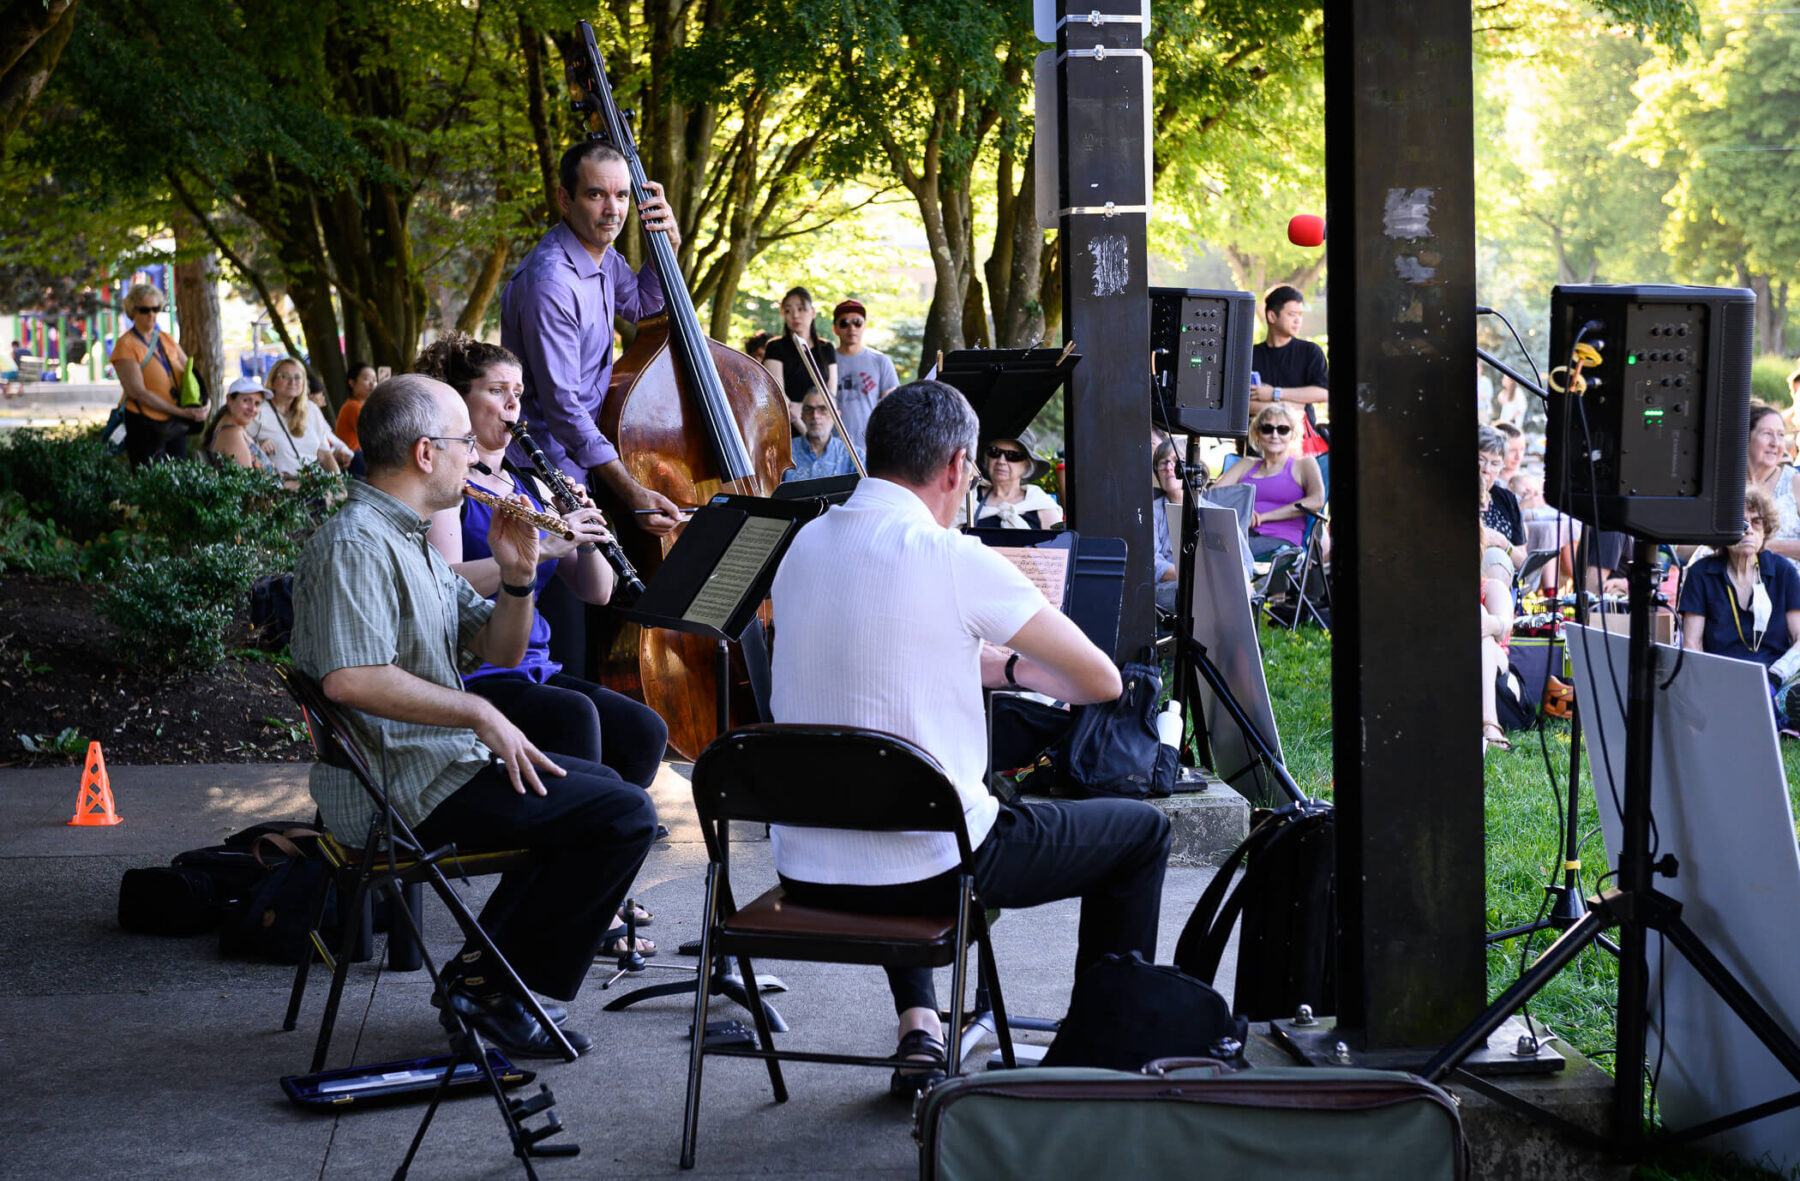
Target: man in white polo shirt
[{"x": 888, "y": 619}]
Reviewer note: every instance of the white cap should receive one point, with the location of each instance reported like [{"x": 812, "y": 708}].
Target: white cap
[{"x": 245, "y": 385}]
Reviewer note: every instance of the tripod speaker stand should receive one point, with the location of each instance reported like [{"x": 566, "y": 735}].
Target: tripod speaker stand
[{"x": 1639, "y": 909}]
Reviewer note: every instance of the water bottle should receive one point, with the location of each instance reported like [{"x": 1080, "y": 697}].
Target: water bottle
[{"x": 1168, "y": 725}]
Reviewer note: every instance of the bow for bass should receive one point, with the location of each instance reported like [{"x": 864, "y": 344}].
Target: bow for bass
[
  {"x": 804, "y": 349},
  {"x": 595, "y": 98}
]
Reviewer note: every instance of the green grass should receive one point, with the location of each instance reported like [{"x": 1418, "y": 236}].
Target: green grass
[{"x": 1523, "y": 809}]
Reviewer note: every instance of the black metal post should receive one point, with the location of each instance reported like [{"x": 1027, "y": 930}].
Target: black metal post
[
  {"x": 1399, "y": 171},
  {"x": 1634, "y": 853},
  {"x": 1102, "y": 151}
]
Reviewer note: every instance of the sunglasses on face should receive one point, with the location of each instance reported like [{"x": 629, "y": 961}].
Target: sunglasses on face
[
  {"x": 847, "y": 322},
  {"x": 1007, "y": 454},
  {"x": 151, "y": 310},
  {"x": 1269, "y": 428}
]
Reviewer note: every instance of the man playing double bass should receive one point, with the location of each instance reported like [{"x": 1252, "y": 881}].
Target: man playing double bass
[{"x": 556, "y": 315}]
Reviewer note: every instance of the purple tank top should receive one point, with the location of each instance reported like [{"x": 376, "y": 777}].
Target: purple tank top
[{"x": 1279, "y": 491}]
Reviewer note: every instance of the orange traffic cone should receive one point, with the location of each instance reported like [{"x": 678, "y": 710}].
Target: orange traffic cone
[{"x": 95, "y": 803}]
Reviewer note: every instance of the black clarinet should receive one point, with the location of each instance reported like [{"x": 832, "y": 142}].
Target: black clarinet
[{"x": 568, "y": 499}]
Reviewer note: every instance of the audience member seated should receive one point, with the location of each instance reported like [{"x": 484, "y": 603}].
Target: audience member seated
[
  {"x": 1012, "y": 501},
  {"x": 1767, "y": 467},
  {"x": 1169, "y": 490},
  {"x": 558, "y": 713},
  {"x": 228, "y": 434},
  {"x": 1496, "y": 626},
  {"x": 820, "y": 449},
  {"x": 290, "y": 429},
  {"x": 1514, "y": 440},
  {"x": 887, "y": 620},
  {"x": 1502, "y": 523},
  {"x": 382, "y": 624},
  {"x": 362, "y": 383},
  {"x": 1288, "y": 484},
  {"x": 1741, "y": 600}
]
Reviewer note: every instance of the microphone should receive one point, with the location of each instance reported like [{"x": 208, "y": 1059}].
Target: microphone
[{"x": 1306, "y": 229}]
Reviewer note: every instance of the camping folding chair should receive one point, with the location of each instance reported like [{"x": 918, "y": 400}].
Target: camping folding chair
[{"x": 865, "y": 780}]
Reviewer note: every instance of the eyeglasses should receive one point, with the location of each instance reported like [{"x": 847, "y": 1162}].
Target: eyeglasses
[
  {"x": 153, "y": 311},
  {"x": 847, "y": 322},
  {"x": 1269, "y": 428},
  {"x": 1007, "y": 454},
  {"x": 444, "y": 441},
  {"x": 815, "y": 410}
]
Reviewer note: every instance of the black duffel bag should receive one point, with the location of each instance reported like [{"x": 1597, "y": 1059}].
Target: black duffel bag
[{"x": 1125, "y": 1012}]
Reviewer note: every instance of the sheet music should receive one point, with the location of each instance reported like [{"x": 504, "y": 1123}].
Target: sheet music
[
  {"x": 736, "y": 571},
  {"x": 1047, "y": 567}
]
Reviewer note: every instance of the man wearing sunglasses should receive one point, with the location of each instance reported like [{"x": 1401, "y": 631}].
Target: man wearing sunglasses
[
  {"x": 1292, "y": 370},
  {"x": 865, "y": 375}
]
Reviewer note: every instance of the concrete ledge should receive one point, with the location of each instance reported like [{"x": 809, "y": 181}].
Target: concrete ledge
[
  {"x": 1206, "y": 825},
  {"x": 1507, "y": 1146}
]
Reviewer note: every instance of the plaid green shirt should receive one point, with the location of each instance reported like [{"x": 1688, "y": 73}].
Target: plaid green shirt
[{"x": 368, "y": 590}]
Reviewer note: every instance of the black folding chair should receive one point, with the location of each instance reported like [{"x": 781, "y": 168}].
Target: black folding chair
[
  {"x": 392, "y": 863},
  {"x": 865, "y": 780}
]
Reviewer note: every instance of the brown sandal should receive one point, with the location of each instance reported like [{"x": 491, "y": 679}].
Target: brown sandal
[{"x": 1493, "y": 736}]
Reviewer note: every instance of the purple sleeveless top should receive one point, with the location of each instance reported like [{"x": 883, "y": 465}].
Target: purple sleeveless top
[
  {"x": 537, "y": 664},
  {"x": 1273, "y": 492}
]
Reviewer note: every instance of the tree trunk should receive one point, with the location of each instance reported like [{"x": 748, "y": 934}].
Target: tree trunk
[
  {"x": 975, "y": 321},
  {"x": 493, "y": 268},
  {"x": 197, "y": 304},
  {"x": 998, "y": 268},
  {"x": 1050, "y": 288},
  {"x": 1021, "y": 324},
  {"x": 36, "y": 31},
  {"x": 531, "y": 46}
]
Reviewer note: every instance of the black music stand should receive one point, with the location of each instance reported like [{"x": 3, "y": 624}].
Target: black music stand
[
  {"x": 1007, "y": 387},
  {"x": 711, "y": 583}
]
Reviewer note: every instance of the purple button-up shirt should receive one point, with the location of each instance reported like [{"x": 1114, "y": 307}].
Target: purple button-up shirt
[{"x": 556, "y": 315}]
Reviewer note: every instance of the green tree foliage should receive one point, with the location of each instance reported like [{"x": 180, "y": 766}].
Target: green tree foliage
[{"x": 1726, "y": 123}]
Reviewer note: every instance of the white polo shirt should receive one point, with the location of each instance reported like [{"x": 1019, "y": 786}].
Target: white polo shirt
[{"x": 879, "y": 617}]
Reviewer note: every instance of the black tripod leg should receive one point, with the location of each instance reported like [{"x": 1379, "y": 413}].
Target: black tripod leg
[
  {"x": 1556, "y": 957},
  {"x": 1729, "y": 990}
]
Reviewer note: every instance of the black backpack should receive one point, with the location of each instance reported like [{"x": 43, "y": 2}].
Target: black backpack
[
  {"x": 1125, "y": 1012},
  {"x": 1288, "y": 897}
]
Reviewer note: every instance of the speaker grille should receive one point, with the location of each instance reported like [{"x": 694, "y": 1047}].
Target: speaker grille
[{"x": 1735, "y": 348}]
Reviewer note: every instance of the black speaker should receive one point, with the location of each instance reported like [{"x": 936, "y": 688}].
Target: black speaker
[
  {"x": 1200, "y": 347},
  {"x": 1650, "y": 438}
]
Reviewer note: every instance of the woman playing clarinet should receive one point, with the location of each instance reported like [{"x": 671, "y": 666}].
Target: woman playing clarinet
[{"x": 559, "y": 713}]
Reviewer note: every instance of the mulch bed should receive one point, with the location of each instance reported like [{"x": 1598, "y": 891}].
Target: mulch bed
[{"x": 60, "y": 671}]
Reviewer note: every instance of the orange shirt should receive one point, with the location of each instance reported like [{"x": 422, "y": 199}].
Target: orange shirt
[
  {"x": 130, "y": 350},
  {"x": 348, "y": 413}
]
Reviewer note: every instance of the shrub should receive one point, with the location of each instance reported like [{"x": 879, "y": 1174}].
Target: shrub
[
  {"x": 173, "y": 610},
  {"x": 67, "y": 477},
  {"x": 32, "y": 546},
  {"x": 1768, "y": 379},
  {"x": 195, "y": 504}
]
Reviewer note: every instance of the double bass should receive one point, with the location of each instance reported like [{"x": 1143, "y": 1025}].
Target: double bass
[{"x": 691, "y": 418}]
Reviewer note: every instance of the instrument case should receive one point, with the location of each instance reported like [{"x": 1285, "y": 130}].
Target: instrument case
[{"x": 1188, "y": 1118}]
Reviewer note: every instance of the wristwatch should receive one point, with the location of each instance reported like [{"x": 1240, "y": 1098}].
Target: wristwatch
[
  {"x": 518, "y": 592},
  {"x": 1010, "y": 662},
  {"x": 1276, "y": 394}
]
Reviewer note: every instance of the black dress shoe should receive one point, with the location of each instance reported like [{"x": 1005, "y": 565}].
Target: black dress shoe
[
  {"x": 509, "y": 1025},
  {"x": 554, "y": 1010}
]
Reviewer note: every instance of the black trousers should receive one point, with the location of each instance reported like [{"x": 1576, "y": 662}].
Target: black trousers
[
  {"x": 567, "y": 716},
  {"x": 148, "y": 440},
  {"x": 1109, "y": 853},
  {"x": 592, "y": 832}
]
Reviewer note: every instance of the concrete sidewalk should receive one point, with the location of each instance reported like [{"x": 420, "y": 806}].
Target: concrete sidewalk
[{"x": 136, "y": 1057}]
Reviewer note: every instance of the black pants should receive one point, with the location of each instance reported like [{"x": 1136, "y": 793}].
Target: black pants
[
  {"x": 592, "y": 832},
  {"x": 148, "y": 440},
  {"x": 1109, "y": 853},
  {"x": 566, "y": 716}
]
